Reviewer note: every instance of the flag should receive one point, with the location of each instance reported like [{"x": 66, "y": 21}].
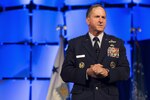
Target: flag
[
  {"x": 58, "y": 89},
  {"x": 138, "y": 89}
]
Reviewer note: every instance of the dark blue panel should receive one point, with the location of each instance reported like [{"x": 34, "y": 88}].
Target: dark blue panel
[
  {"x": 53, "y": 3},
  {"x": 141, "y": 19},
  {"x": 76, "y": 23},
  {"x": 6, "y": 3},
  {"x": 44, "y": 25},
  {"x": 14, "y": 26},
  {"x": 14, "y": 61},
  {"x": 43, "y": 60},
  {"x": 119, "y": 22},
  {"x": 14, "y": 90},
  {"x": 40, "y": 90}
]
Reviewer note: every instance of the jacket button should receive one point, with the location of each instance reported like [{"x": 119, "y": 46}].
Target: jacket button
[{"x": 96, "y": 88}]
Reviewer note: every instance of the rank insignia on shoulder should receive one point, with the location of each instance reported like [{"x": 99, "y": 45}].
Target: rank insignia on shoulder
[
  {"x": 81, "y": 65},
  {"x": 112, "y": 64}
]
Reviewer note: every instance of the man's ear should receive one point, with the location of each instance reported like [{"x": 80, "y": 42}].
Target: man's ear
[{"x": 87, "y": 20}]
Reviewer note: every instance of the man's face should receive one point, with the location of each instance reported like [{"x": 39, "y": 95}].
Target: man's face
[{"x": 97, "y": 20}]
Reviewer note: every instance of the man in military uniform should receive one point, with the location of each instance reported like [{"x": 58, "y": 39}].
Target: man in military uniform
[{"x": 95, "y": 62}]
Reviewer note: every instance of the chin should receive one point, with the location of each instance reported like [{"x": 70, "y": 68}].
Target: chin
[{"x": 100, "y": 30}]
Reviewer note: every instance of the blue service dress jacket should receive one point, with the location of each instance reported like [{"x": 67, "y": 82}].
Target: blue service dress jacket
[{"x": 80, "y": 55}]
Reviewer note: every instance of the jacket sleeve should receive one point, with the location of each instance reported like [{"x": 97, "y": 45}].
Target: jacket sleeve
[
  {"x": 122, "y": 71},
  {"x": 70, "y": 71}
]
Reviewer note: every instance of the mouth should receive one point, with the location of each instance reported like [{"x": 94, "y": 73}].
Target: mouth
[{"x": 100, "y": 25}]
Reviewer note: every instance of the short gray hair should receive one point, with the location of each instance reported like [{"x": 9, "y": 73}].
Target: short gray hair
[{"x": 91, "y": 8}]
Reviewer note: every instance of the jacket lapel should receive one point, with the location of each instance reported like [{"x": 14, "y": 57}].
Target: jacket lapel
[
  {"x": 104, "y": 47},
  {"x": 87, "y": 44}
]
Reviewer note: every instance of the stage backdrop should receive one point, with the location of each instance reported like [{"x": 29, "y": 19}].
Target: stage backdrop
[{"x": 29, "y": 40}]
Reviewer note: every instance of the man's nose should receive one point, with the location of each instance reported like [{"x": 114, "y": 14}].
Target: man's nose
[{"x": 100, "y": 19}]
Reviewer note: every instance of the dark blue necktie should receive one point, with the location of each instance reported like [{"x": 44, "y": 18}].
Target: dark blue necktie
[{"x": 96, "y": 46}]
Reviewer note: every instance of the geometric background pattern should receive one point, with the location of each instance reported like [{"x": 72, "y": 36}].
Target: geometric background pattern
[{"x": 29, "y": 40}]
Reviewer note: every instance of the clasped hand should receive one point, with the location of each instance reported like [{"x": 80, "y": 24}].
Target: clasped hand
[{"x": 97, "y": 70}]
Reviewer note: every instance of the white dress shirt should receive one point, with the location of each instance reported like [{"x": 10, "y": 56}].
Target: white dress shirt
[{"x": 100, "y": 36}]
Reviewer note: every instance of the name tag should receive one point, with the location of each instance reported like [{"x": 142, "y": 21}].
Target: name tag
[{"x": 80, "y": 56}]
